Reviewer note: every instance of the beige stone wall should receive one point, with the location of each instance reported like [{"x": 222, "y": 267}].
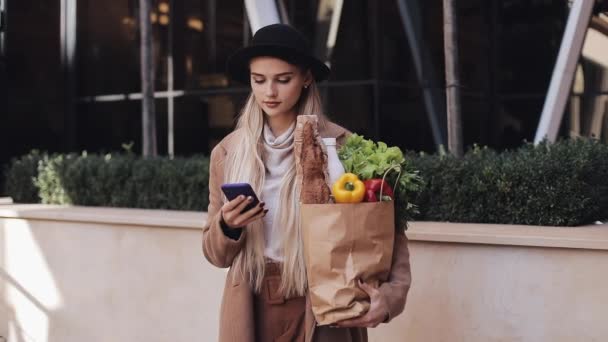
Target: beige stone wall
[
  {"x": 95, "y": 274},
  {"x": 489, "y": 293},
  {"x": 71, "y": 281}
]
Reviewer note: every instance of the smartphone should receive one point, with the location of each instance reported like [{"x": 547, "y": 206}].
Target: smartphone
[{"x": 233, "y": 190}]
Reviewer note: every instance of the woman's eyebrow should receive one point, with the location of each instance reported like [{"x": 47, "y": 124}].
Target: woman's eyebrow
[{"x": 288, "y": 73}]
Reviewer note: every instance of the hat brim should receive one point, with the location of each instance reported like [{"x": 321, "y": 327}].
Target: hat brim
[{"x": 237, "y": 65}]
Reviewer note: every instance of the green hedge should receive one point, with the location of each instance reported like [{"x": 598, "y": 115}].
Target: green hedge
[
  {"x": 19, "y": 178},
  {"x": 116, "y": 180},
  {"x": 563, "y": 184}
]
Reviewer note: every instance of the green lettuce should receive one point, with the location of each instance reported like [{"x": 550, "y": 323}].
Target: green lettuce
[{"x": 369, "y": 160}]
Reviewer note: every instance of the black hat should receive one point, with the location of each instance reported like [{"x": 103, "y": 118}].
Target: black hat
[{"x": 276, "y": 40}]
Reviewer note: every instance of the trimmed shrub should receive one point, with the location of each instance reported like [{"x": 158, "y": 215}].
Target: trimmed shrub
[
  {"x": 563, "y": 184},
  {"x": 50, "y": 179},
  {"x": 19, "y": 177},
  {"x": 116, "y": 180}
]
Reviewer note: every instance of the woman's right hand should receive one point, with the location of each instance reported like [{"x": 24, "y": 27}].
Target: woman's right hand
[{"x": 232, "y": 216}]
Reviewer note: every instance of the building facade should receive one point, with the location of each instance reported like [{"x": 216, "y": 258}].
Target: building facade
[{"x": 70, "y": 70}]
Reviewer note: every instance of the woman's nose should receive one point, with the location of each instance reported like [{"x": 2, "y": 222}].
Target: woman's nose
[{"x": 271, "y": 89}]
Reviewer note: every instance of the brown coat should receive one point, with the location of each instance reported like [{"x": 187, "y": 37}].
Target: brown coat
[{"x": 236, "y": 313}]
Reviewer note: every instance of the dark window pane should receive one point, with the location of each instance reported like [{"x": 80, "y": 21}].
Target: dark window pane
[
  {"x": 105, "y": 126},
  {"x": 352, "y": 107},
  {"x": 403, "y": 119},
  {"x": 31, "y": 79},
  {"x": 352, "y": 56},
  {"x": 529, "y": 39},
  {"x": 107, "y": 47},
  {"x": 516, "y": 120},
  {"x": 209, "y": 31}
]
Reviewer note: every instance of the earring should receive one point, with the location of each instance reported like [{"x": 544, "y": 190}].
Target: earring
[{"x": 306, "y": 86}]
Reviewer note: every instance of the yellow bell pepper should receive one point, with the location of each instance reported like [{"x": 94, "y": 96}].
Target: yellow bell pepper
[{"x": 348, "y": 189}]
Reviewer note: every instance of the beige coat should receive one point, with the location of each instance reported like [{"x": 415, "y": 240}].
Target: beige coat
[{"x": 236, "y": 313}]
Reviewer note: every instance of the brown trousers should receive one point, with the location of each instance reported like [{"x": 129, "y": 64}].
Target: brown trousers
[{"x": 277, "y": 318}]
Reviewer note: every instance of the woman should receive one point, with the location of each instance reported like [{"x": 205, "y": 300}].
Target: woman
[{"x": 265, "y": 292}]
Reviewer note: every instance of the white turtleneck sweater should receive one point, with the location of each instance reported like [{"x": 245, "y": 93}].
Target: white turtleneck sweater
[
  {"x": 278, "y": 155},
  {"x": 278, "y": 158}
]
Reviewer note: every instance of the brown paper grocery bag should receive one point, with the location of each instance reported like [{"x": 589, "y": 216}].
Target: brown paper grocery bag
[{"x": 343, "y": 243}]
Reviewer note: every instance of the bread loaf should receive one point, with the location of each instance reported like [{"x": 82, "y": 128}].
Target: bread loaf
[{"x": 311, "y": 161}]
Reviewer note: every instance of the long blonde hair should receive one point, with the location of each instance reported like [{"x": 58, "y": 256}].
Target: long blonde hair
[{"x": 245, "y": 163}]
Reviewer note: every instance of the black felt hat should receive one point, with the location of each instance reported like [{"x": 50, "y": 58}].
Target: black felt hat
[{"x": 276, "y": 40}]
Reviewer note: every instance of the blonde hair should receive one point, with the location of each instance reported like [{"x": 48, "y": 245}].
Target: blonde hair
[{"x": 245, "y": 163}]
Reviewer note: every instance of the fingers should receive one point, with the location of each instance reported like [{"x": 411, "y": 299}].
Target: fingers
[
  {"x": 231, "y": 210},
  {"x": 371, "y": 318},
  {"x": 243, "y": 219},
  {"x": 370, "y": 290},
  {"x": 233, "y": 204},
  {"x": 233, "y": 216},
  {"x": 239, "y": 208},
  {"x": 253, "y": 211},
  {"x": 256, "y": 217}
]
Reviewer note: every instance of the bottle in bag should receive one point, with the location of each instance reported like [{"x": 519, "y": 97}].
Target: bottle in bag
[{"x": 334, "y": 164}]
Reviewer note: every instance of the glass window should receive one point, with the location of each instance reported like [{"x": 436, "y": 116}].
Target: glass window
[
  {"x": 105, "y": 126},
  {"x": 211, "y": 31},
  {"x": 108, "y": 47},
  {"x": 31, "y": 79}
]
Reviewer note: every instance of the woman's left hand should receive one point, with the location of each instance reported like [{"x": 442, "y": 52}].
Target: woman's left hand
[{"x": 376, "y": 314}]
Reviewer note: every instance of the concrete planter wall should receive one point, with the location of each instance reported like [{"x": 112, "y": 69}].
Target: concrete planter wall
[
  {"x": 100, "y": 274},
  {"x": 506, "y": 283}
]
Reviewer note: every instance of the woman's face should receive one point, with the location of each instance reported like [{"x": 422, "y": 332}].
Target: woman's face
[{"x": 277, "y": 85}]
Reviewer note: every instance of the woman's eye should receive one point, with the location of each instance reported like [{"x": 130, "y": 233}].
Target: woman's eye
[
  {"x": 258, "y": 81},
  {"x": 284, "y": 80}
]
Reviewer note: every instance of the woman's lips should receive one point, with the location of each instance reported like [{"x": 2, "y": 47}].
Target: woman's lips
[{"x": 271, "y": 104}]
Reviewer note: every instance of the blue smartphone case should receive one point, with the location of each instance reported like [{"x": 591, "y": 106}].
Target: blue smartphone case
[{"x": 233, "y": 190}]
